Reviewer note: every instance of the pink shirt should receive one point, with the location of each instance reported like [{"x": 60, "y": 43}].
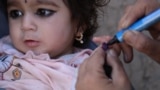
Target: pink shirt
[{"x": 38, "y": 72}]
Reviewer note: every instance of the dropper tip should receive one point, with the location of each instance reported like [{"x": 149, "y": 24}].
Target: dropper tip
[
  {"x": 105, "y": 46},
  {"x": 112, "y": 41}
]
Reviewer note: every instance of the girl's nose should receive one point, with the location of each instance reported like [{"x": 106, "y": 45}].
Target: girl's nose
[{"x": 28, "y": 23}]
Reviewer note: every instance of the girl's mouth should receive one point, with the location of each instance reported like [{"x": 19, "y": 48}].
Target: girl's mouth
[{"x": 31, "y": 43}]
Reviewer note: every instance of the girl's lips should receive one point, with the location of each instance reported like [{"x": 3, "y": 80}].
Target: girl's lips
[{"x": 31, "y": 43}]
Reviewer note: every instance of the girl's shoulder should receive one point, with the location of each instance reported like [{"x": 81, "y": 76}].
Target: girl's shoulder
[{"x": 7, "y": 47}]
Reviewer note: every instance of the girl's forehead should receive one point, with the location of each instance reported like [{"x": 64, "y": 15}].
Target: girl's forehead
[
  {"x": 25, "y": 1},
  {"x": 36, "y": 1}
]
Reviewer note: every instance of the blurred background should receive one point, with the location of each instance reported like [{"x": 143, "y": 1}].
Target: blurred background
[{"x": 143, "y": 72}]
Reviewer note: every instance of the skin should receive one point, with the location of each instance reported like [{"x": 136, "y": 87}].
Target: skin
[
  {"x": 140, "y": 41},
  {"x": 42, "y": 26},
  {"x": 92, "y": 76},
  {"x": 25, "y": 1},
  {"x": 137, "y": 40}
]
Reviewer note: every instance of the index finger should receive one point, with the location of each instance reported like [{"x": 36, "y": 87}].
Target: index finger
[
  {"x": 140, "y": 8},
  {"x": 119, "y": 75}
]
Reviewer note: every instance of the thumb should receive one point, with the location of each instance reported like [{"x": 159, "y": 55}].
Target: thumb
[
  {"x": 96, "y": 60},
  {"x": 143, "y": 44}
]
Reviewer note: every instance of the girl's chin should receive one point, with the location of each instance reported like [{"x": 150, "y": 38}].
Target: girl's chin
[{"x": 35, "y": 52}]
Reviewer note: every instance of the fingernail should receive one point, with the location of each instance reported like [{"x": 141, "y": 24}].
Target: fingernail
[
  {"x": 94, "y": 37},
  {"x": 112, "y": 53},
  {"x": 129, "y": 37},
  {"x": 124, "y": 24},
  {"x": 126, "y": 57},
  {"x": 104, "y": 46}
]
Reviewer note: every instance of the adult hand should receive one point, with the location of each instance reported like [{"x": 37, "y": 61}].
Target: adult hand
[
  {"x": 92, "y": 76},
  {"x": 142, "y": 43},
  {"x": 138, "y": 40}
]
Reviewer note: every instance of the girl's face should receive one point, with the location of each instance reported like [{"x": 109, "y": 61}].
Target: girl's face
[{"x": 43, "y": 26}]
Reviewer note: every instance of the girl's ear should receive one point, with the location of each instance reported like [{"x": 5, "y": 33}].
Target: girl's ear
[
  {"x": 79, "y": 31},
  {"x": 79, "y": 37}
]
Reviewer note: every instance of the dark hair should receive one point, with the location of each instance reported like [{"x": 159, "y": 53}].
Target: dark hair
[{"x": 86, "y": 13}]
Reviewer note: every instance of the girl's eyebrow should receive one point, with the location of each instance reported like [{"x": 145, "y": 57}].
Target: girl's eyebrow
[{"x": 12, "y": 3}]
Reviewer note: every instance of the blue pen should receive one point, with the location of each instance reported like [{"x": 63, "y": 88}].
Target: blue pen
[{"x": 139, "y": 25}]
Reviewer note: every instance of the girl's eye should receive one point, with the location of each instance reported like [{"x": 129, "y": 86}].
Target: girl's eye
[
  {"x": 44, "y": 12},
  {"x": 15, "y": 14}
]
